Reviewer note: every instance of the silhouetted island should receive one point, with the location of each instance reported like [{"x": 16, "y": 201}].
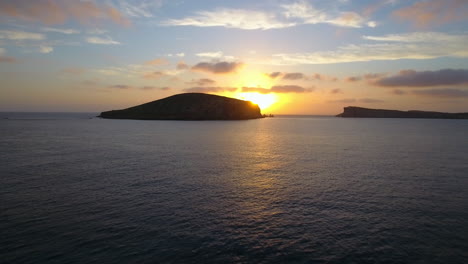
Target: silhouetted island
[
  {"x": 354, "y": 111},
  {"x": 189, "y": 106}
]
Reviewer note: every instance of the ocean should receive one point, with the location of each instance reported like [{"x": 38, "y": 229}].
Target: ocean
[{"x": 79, "y": 189}]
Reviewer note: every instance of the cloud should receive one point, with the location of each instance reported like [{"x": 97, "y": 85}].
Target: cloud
[
  {"x": 60, "y": 30},
  {"x": 73, "y": 70},
  {"x": 290, "y": 89},
  {"x": 256, "y": 90},
  {"x": 417, "y": 45},
  {"x": 148, "y": 88},
  {"x": 353, "y": 100},
  {"x": 60, "y": 11},
  {"x": 120, "y": 86},
  {"x": 398, "y": 92},
  {"x": 20, "y": 35},
  {"x": 428, "y": 13},
  {"x": 102, "y": 41},
  {"x": 154, "y": 75},
  {"x": 182, "y": 66},
  {"x": 180, "y": 55},
  {"x": 210, "y": 89},
  {"x": 215, "y": 55},
  {"x": 202, "y": 82},
  {"x": 277, "y": 89},
  {"x": 7, "y": 59},
  {"x": 217, "y": 67},
  {"x": 286, "y": 76},
  {"x": 322, "y": 77},
  {"x": 231, "y": 18},
  {"x": 370, "y": 101},
  {"x": 273, "y": 75},
  {"x": 353, "y": 78},
  {"x": 344, "y": 101},
  {"x": 412, "y": 78},
  {"x": 140, "y": 8},
  {"x": 158, "y": 61},
  {"x": 307, "y": 14},
  {"x": 447, "y": 93},
  {"x": 369, "y": 76},
  {"x": 336, "y": 91},
  {"x": 293, "y": 76},
  {"x": 421, "y": 37},
  {"x": 45, "y": 49},
  {"x": 288, "y": 16}
]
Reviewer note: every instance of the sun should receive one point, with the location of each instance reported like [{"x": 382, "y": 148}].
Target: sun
[
  {"x": 254, "y": 79},
  {"x": 263, "y": 101}
]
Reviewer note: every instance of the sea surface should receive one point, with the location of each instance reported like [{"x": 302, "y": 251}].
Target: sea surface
[{"x": 78, "y": 189}]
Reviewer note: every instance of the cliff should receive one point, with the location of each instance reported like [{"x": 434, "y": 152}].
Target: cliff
[
  {"x": 189, "y": 106},
  {"x": 353, "y": 111}
]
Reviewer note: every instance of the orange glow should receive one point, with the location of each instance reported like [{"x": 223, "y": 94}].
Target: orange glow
[
  {"x": 264, "y": 101},
  {"x": 253, "y": 78}
]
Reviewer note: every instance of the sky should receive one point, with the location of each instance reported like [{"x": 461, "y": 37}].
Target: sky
[{"x": 290, "y": 57}]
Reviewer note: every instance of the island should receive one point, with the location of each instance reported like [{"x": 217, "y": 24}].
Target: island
[
  {"x": 354, "y": 111},
  {"x": 189, "y": 106}
]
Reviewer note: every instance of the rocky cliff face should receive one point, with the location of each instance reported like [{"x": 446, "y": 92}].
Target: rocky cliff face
[
  {"x": 353, "y": 111},
  {"x": 189, "y": 106}
]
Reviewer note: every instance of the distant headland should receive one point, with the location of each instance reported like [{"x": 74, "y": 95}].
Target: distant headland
[
  {"x": 353, "y": 111},
  {"x": 189, "y": 106}
]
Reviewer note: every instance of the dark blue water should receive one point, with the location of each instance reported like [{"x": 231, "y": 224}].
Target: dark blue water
[{"x": 295, "y": 190}]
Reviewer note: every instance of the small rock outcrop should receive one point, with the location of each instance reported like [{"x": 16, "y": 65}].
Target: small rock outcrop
[
  {"x": 353, "y": 111},
  {"x": 189, "y": 106}
]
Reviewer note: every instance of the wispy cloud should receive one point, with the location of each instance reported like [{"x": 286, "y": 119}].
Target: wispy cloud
[
  {"x": 102, "y": 41},
  {"x": 231, "y": 18},
  {"x": 369, "y": 77},
  {"x": 336, "y": 91},
  {"x": 61, "y": 30},
  {"x": 428, "y": 13},
  {"x": 181, "y": 66},
  {"x": 222, "y": 67},
  {"x": 447, "y": 93},
  {"x": 158, "y": 61},
  {"x": 288, "y": 15},
  {"x": 139, "y": 8},
  {"x": 60, "y": 11},
  {"x": 290, "y": 89},
  {"x": 154, "y": 75},
  {"x": 73, "y": 70},
  {"x": 353, "y": 100},
  {"x": 412, "y": 78},
  {"x": 307, "y": 14},
  {"x": 210, "y": 89},
  {"x": 273, "y": 75},
  {"x": 397, "y": 46},
  {"x": 20, "y": 35},
  {"x": 45, "y": 49},
  {"x": 149, "y": 88},
  {"x": 214, "y": 55},
  {"x": 278, "y": 89},
  {"x": 293, "y": 76},
  {"x": 202, "y": 82},
  {"x": 120, "y": 86}
]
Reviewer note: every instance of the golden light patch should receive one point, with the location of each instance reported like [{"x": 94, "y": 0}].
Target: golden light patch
[{"x": 264, "y": 101}]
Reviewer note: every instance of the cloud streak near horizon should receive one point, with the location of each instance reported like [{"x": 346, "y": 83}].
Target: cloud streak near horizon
[
  {"x": 412, "y": 78},
  {"x": 278, "y": 89},
  {"x": 52, "y": 12}
]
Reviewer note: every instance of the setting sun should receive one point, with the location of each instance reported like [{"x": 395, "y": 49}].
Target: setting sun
[{"x": 264, "y": 101}]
